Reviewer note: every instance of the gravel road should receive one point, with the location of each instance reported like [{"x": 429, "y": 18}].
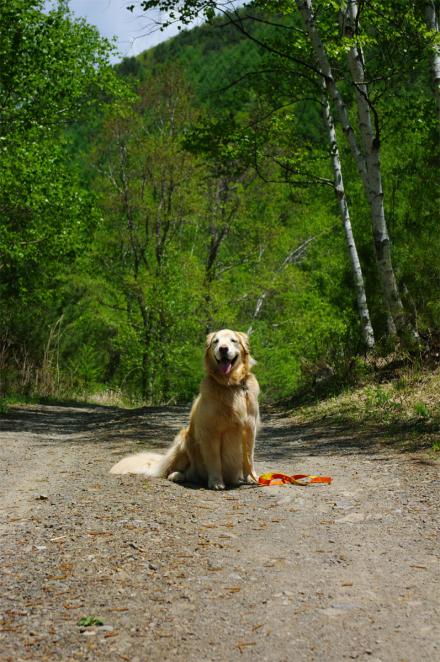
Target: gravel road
[{"x": 339, "y": 572}]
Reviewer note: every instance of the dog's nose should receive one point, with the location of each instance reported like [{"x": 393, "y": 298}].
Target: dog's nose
[{"x": 223, "y": 349}]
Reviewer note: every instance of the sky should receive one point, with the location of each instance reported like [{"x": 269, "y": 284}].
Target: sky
[{"x": 134, "y": 31}]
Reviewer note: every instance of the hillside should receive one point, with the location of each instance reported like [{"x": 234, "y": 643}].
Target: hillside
[
  {"x": 212, "y": 57},
  {"x": 193, "y": 187}
]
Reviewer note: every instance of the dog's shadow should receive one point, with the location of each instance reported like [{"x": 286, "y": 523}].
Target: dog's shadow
[{"x": 228, "y": 488}]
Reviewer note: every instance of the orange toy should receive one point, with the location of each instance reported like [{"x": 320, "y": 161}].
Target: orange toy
[{"x": 270, "y": 479}]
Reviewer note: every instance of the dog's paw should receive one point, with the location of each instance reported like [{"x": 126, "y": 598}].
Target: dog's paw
[
  {"x": 177, "y": 477},
  {"x": 215, "y": 484},
  {"x": 250, "y": 480}
]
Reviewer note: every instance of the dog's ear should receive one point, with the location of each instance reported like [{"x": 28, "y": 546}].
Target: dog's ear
[
  {"x": 244, "y": 341},
  {"x": 209, "y": 338}
]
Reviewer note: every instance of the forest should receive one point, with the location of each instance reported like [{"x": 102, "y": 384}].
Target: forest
[{"x": 273, "y": 170}]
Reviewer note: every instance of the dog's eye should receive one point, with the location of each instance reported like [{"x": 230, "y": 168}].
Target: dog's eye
[
  {"x": 214, "y": 342},
  {"x": 234, "y": 340}
]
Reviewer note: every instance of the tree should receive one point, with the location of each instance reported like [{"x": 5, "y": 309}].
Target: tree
[
  {"x": 432, "y": 25},
  {"x": 330, "y": 45},
  {"x": 369, "y": 161},
  {"x": 146, "y": 183},
  {"x": 361, "y": 298},
  {"x": 55, "y": 71}
]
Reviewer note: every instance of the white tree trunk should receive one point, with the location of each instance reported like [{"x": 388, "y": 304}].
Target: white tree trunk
[
  {"x": 368, "y": 166},
  {"x": 432, "y": 24},
  {"x": 364, "y": 314},
  {"x": 371, "y": 144},
  {"x": 306, "y": 10}
]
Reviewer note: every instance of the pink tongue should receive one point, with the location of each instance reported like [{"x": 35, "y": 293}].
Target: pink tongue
[{"x": 225, "y": 367}]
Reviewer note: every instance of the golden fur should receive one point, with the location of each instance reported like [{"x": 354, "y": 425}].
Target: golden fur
[{"x": 217, "y": 447}]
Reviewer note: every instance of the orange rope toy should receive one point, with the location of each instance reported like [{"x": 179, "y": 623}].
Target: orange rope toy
[{"x": 269, "y": 479}]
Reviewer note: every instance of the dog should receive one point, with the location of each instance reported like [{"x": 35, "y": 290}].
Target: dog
[{"x": 217, "y": 447}]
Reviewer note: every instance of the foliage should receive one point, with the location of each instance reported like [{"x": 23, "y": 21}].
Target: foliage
[
  {"x": 54, "y": 70},
  {"x": 87, "y": 621},
  {"x": 135, "y": 221}
]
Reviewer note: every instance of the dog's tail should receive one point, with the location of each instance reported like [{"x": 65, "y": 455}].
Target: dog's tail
[
  {"x": 156, "y": 464},
  {"x": 141, "y": 463}
]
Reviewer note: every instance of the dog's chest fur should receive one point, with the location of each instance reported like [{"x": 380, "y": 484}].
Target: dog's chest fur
[{"x": 237, "y": 402}]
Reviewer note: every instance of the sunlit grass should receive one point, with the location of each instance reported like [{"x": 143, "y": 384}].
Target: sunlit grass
[{"x": 408, "y": 407}]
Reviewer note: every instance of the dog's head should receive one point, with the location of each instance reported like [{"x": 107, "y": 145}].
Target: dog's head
[{"x": 227, "y": 355}]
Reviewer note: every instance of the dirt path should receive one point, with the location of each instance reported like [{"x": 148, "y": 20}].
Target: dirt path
[{"x": 347, "y": 571}]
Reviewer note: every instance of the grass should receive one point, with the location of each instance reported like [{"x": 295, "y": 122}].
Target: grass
[
  {"x": 107, "y": 398},
  {"x": 9, "y": 400},
  {"x": 406, "y": 408}
]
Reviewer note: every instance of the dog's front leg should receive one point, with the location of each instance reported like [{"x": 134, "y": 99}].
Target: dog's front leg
[
  {"x": 211, "y": 454},
  {"x": 249, "y": 434}
]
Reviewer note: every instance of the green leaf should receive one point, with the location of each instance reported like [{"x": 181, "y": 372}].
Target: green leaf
[{"x": 87, "y": 621}]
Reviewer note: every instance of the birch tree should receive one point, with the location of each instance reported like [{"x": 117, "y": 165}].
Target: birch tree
[
  {"x": 328, "y": 85},
  {"x": 432, "y": 25},
  {"x": 371, "y": 142},
  {"x": 368, "y": 160},
  {"x": 361, "y": 298},
  {"x": 303, "y": 177}
]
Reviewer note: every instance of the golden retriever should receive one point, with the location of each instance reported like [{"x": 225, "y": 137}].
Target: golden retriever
[{"x": 217, "y": 447}]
